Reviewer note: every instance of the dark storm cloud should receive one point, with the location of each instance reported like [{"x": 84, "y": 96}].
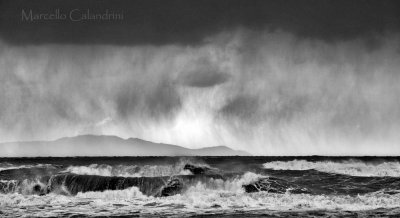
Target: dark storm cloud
[
  {"x": 190, "y": 21},
  {"x": 160, "y": 102},
  {"x": 204, "y": 78},
  {"x": 255, "y": 109},
  {"x": 164, "y": 100},
  {"x": 202, "y": 73},
  {"x": 280, "y": 93},
  {"x": 243, "y": 107},
  {"x": 126, "y": 102}
]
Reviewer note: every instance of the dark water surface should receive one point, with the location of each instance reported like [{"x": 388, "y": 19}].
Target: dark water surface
[{"x": 200, "y": 186}]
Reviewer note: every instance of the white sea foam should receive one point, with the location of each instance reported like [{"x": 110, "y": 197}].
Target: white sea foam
[
  {"x": 215, "y": 196},
  {"x": 353, "y": 168},
  {"x": 8, "y": 166},
  {"x": 126, "y": 194},
  {"x": 8, "y": 186},
  {"x": 201, "y": 198},
  {"x": 129, "y": 170},
  {"x": 25, "y": 187}
]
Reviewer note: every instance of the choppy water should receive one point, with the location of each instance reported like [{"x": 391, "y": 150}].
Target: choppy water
[{"x": 192, "y": 186}]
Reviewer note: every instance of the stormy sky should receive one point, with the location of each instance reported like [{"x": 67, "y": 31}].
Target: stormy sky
[{"x": 269, "y": 77}]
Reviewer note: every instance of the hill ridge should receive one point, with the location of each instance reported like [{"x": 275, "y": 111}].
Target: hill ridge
[{"x": 108, "y": 145}]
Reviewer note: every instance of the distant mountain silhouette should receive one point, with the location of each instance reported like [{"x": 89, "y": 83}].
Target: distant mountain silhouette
[{"x": 100, "y": 145}]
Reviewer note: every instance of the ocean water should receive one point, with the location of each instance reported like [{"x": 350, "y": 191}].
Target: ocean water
[{"x": 200, "y": 186}]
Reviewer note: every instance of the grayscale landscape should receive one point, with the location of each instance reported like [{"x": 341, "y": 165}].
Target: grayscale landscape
[{"x": 199, "y": 108}]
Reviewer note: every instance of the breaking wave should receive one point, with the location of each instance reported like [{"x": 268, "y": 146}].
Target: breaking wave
[
  {"x": 185, "y": 189},
  {"x": 198, "y": 199},
  {"x": 9, "y": 166},
  {"x": 353, "y": 168},
  {"x": 25, "y": 187},
  {"x": 128, "y": 170},
  {"x": 125, "y": 194},
  {"x": 207, "y": 198}
]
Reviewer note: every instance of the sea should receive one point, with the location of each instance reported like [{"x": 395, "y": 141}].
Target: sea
[{"x": 234, "y": 186}]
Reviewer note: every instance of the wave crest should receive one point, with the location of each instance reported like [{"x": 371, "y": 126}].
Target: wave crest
[
  {"x": 353, "y": 168},
  {"x": 9, "y": 166},
  {"x": 125, "y": 194},
  {"x": 128, "y": 170}
]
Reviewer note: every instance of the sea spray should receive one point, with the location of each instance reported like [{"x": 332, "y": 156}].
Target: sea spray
[{"x": 353, "y": 168}]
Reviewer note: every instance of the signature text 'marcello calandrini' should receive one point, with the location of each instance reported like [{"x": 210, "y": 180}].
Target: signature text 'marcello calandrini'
[{"x": 74, "y": 15}]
